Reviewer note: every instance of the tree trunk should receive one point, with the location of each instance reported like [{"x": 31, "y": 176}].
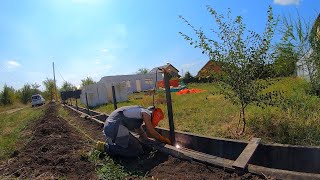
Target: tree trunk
[{"x": 243, "y": 120}]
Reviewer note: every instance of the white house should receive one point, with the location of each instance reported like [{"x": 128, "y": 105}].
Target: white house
[{"x": 101, "y": 92}]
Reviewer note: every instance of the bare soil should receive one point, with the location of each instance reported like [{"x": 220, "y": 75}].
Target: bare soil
[{"x": 55, "y": 150}]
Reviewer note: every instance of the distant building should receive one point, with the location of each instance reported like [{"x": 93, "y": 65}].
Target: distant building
[
  {"x": 101, "y": 92},
  {"x": 208, "y": 69},
  {"x": 174, "y": 72}
]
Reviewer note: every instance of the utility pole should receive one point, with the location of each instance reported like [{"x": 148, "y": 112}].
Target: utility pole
[{"x": 55, "y": 86}]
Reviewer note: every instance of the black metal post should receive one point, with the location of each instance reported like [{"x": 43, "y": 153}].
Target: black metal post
[
  {"x": 114, "y": 98},
  {"x": 169, "y": 107},
  {"x": 77, "y": 104},
  {"x": 87, "y": 104}
]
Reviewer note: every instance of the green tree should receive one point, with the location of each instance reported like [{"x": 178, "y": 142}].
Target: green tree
[
  {"x": 35, "y": 88},
  {"x": 142, "y": 71},
  {"x": 49, "y": 91},
  {"x": 188, "y": 77},
  {"x": 87, "y": 81},
  {"x": 26, "y": 93},
  {"x": 67, "y": 86},
  {"x": 242, "y": 54},
  {"x": 285, "y": 61},
  {"x": 7, "y": 95}
]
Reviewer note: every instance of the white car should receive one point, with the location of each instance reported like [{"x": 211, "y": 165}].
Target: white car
[{"x": 37, "y": 99}]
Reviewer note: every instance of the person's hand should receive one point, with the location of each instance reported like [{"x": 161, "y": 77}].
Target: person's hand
[{"x": 165, "y": 140}]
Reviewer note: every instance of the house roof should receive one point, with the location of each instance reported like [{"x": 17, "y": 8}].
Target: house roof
[{"x": 161, "y": 67}]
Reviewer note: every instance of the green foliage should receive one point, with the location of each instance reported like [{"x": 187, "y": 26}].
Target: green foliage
[
  {"x": 109, "y": 169},
  {"x": 67, "y": 86},
  {"x": 142, "y": 71},
  {"x": 87, "y": 81},
  {"x": 188, "y": 78},
  {"x": 7, "y": 95},
  {"x": 285, "y": 62},
  {"x": 49, "y": 89},
  {"x": 26, "y": 93},
  {"x": 243, "y": 56}
]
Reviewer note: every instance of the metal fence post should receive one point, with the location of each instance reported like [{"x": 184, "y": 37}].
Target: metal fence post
[
  {"x": 77, "y": 104},
  {"x": 169, "y": 107},
  {"x": 114, "y": 98},
  {"x": 87, "y": 104}
]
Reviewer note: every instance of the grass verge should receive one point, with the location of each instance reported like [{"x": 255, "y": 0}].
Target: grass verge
[
  {"x": 12, "y": 106},
  {"x": 11, "y": 127}
]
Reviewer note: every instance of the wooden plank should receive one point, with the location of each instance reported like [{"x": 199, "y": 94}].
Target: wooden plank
[
  {"x": 242, "y": 161},
  {"x": 187, "y": 154}
]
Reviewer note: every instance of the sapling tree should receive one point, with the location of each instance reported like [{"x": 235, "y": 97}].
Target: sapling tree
[{"x": 243, "y": 55}]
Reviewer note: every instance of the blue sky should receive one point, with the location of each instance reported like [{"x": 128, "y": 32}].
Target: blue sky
[{"x": 111, "y": 37}]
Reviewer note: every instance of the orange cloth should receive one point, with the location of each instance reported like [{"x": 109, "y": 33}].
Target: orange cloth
[{"x": 189, "y": 91}]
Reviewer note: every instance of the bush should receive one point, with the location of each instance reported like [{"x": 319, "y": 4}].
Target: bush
[
  {"x": 295, "y": 122},
  {"x": 7, "y": 95}
]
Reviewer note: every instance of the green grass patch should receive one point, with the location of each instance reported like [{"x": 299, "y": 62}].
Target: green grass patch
[
  {"x": 12, "y": 106},
  {"x": 107, "y": 168},
  {"x": 208, "y": 113},
  {"x": 11, "y": 127}
]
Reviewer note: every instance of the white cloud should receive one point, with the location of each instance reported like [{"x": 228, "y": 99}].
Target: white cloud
[
  {"x": 13, "y": 64},
  {"x": 286, "y": 2}
]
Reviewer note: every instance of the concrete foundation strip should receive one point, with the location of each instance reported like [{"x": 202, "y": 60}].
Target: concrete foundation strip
[
  {"x": 239, "y": 164},
  {"x": 244, "y": 158}
]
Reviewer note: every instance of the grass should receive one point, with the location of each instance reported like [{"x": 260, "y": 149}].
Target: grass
[
  {"x": 12, "y": 106},
  {"x": 208, "y": 113},
  {"x": 11, "y": 127},
  {"x": 107, "y": 168}
]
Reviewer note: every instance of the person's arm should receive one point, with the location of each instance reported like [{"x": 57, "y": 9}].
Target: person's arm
[
  {"x": 147, "y": 121},
  {"x": 142, "y": 134}
]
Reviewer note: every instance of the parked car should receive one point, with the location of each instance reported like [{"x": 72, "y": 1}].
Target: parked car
[{"x": 37, "y": 99}]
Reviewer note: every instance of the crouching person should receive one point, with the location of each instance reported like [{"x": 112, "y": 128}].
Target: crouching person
[{"x": 119, "y": 140}]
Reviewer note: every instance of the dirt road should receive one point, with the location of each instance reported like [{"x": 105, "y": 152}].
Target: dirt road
[{"x": 55, "y": 151}]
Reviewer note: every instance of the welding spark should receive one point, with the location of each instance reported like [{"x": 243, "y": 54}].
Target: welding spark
[{"x": 177, "y": 146}]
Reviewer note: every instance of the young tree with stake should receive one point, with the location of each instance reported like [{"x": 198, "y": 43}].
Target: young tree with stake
[{"x": 243, "y": 54}]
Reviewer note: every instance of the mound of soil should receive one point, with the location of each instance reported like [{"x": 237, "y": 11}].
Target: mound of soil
[{"x": 55, "y": 150}]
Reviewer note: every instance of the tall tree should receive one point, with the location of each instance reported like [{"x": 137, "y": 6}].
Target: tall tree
[
  {"x": 285, "y": 61},
  {"x": 7, "y": 95},
  {"x": 142, "y": 71},
  {"x": 35, "y": 88},
  {"x": 26, "y": 93},
  {"x": 49, "y": 89},
  {"x": 87, "y": 81},
  {"x": 188, "y": 78},
  {"x": 242, "y": 53},
  {"x": 67, "y": 86}
]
